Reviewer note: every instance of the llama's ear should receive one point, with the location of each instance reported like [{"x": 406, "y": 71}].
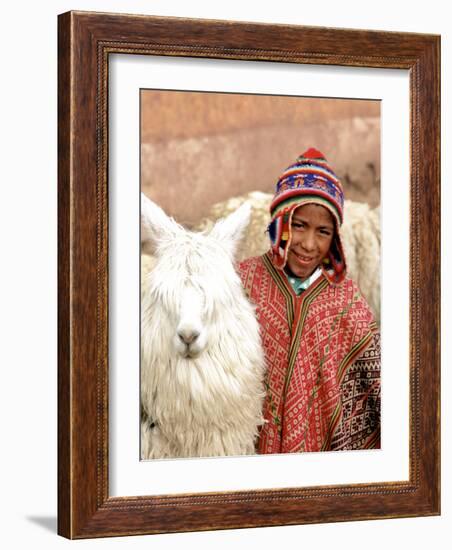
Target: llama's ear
[
  {"x": 155, "y": 225},
  {"x": 230, "y": 230}
]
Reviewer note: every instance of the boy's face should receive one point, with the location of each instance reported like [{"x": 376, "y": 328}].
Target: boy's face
[{"x": 312, "y": 233}]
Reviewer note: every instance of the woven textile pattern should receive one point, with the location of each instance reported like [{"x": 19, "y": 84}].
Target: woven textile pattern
[
  {"x": 360, "y": 422},
  {"x": 323, "y": 363}
]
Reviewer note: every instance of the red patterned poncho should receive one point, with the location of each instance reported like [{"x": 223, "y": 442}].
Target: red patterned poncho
[{"x": 322, "y": 351}]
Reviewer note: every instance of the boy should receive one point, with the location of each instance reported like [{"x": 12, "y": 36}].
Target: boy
[{"x": 321, "y": 342}]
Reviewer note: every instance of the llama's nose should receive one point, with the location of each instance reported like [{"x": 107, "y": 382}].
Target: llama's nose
[{"x": 188, "y": 336}]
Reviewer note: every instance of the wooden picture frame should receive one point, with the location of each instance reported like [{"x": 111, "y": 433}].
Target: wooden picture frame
[{"x": 85, "y": 42}]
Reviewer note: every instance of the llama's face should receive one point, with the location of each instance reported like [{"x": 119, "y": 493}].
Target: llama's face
[
  {"x": 190, "y": 334},
  {"x": 191, "y": 285},
  {"x": 193, "y": 279}
]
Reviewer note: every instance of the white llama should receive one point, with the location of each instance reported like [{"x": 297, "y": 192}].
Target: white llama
[{"x": 202, "y": 364}]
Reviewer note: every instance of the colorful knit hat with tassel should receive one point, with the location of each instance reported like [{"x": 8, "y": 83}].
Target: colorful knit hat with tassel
[{"x": 309, "y": 180}]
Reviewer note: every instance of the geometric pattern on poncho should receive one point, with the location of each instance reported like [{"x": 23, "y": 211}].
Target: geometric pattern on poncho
[
  {"x": 315, "y": 348},
  {"x": 359, "y": 426}
]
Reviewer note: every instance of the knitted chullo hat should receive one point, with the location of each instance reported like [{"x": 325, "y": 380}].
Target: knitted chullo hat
[{"x": 310, "y": 180}]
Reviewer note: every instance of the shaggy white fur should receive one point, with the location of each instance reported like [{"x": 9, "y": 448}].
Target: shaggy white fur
[
  {"x": 360, "y": 235},
  {"x": 202, "y": 364}
]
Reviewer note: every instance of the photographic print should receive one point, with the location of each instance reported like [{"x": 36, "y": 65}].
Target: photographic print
[
  {"x": 260, "y": 274},
  {"x": 309, "y": 379}
]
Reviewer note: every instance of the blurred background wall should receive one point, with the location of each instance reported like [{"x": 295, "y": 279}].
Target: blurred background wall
[{"x": 201, "y": 148}]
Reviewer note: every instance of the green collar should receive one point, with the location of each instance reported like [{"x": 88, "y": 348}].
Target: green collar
[{"x": 299, "y": 285}]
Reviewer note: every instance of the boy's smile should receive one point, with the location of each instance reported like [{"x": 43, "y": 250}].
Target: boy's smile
[{"x": 312, "y": 234}]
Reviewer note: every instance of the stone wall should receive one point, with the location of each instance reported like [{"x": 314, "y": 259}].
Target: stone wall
[{"x": 198, "y": 148}]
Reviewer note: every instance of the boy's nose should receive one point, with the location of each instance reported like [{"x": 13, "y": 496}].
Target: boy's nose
[{"x": 308, "y": 242}]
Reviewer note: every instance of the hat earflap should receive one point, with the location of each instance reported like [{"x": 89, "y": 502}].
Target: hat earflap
[
  {"x": 334, "y": 265},
  {"x": 280, "y": 233}
]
